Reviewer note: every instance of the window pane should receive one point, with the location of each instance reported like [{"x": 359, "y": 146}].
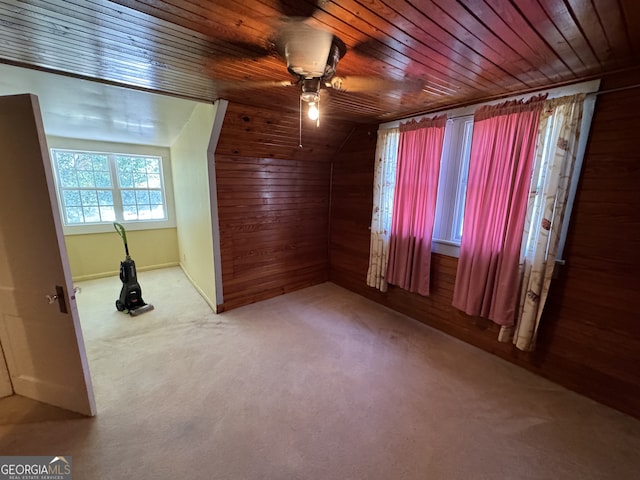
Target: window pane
[
  {"x": 142, "y": 197},
  {"x": 124, "y": 164},
  {"x": 452, "y": 182},
  {"x": 140, "y": 165},
  {"x": 153, "y": 165},
  {"x": 155, "y": 197},
  {"x": 140, "y": 180},
  {"x": 144, "y": 212},
  {"x": 89, "y": 197},
  {"x": 129, "y": 197},
  {"x": 105, "y": 197},
  {"x": 81, "y": 169},
  {"x": 154, "y": 181},
  {"x": 100, "y": 163},
  {"x": 130, "y": 212},
  {"x": 102, "y": 179},
  {"x": 64, "y": 161},
  {"x": 85, "y": 179},
  {"x": 91, "y": 214},
  {"x": 71, "y": 198},
  {"x": 68, "y": 178},
  {"x": 74, "y": 215},
  {"x": 108, "y": 214},
  {"x": 157, "y": 212},
  {"x": 84, "y": 162},
  {"x": 126, "y": 180},
  {"x": 461, "y": 192}
]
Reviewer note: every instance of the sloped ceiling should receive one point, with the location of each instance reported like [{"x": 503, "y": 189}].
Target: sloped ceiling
[
  {"x": 82, "y": 109},
  {"x": 460, "y": 51}
]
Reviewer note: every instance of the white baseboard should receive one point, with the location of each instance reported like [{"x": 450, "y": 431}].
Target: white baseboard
[
  {"x": 211, "y": 304},
  {"x": 93, "y": 276}
]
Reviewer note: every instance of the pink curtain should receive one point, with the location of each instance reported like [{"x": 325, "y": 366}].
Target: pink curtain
[
  {"x": 414, "y": 204},
  {"x": 500, "y": 170}
]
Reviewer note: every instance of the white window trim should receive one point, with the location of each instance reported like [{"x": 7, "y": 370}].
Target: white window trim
[
  {"x": 454, "y": 166},
  {"x": 59, "y": 143}
]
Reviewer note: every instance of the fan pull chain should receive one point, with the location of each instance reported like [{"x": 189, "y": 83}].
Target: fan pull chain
[{"x": 300, "y": 130}]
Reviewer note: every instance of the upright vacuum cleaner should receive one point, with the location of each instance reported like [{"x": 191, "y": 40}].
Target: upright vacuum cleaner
[{"x": 131, "y": 293}]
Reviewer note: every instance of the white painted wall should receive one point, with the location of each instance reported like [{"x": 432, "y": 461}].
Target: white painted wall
[
  {"x": 193, "y": 201},
  {"x": 152, "y": 244}
]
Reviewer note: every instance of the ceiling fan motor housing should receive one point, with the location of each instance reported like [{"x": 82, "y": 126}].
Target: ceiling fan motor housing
[
  {"x": 336, "y": 52},
  {"x": 310, "y": 52}
]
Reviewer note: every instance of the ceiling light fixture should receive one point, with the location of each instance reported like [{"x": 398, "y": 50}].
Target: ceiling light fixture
[
  {"x": 311, "y": 95},
  {"x": 314, "y": 111},
  {"x": 312, "y": 56}
]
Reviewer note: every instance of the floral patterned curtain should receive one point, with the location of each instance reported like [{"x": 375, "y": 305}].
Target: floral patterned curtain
[
  {"x": 383, "y": 192},
  {"x": 556, "y": 150}
]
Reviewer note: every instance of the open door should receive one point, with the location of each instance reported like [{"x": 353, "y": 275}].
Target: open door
[
  {"x": 5, "y": 383},
  {"x": 39, "y": 323}
]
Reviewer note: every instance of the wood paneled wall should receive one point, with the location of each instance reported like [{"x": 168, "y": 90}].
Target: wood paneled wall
[
  {"x": 590, "y": 334},
  {"x": 273, "y": 201},
  {"x": 592, "y": 326}
]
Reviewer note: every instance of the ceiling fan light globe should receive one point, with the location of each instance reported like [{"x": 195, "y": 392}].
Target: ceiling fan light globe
[{"x": 313, "y": 113}]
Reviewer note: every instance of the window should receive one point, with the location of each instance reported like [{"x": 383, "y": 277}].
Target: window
[
  {"x": 452, "y": 185},
  {"x": 97, "y": 188}
]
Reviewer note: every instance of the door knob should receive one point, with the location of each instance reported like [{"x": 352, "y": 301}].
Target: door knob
[
  {"x": 51, "y": 299},
  {"x": 59, "y": 297}
]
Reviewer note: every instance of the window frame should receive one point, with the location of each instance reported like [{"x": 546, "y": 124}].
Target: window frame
[
  {"x": 452, "y": 191},
  {"x": 104, "y": 227}
]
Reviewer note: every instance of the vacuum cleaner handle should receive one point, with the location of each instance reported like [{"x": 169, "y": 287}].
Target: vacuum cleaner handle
[{"x": 123, "y": 234}]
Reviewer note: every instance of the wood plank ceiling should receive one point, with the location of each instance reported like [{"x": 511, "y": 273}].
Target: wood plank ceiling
[{"x": 461, "y": 51}]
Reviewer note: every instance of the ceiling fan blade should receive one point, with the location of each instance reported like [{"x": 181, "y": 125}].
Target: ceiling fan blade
[
  {"x": 373, "y": 84},
  {"x": 246, "y": 50},
  {"x": 228, "y": 85},
  {"x": 299, "y": 8}
]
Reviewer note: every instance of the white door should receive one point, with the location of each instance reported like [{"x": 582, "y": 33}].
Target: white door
[
  {"x": 5, "y": 384},
  {"x": 42, "y": 341}
]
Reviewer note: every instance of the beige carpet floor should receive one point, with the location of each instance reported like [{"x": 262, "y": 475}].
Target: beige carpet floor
[{"x": 316, "y": 384}]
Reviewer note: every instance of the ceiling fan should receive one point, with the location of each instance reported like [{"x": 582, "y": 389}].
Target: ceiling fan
[{"x": 312, "y": 56}]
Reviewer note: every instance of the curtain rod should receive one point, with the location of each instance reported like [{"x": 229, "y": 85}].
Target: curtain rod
[
  {"x": 601, "y": 92},
  {"x": 614, "y": 90}
]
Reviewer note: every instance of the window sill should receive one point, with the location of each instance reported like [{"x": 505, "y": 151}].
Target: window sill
[
  {"x": 108, "y": 227},
  {"x": 443, "y": 247}
]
